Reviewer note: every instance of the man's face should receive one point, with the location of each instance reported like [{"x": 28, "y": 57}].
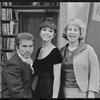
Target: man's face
[{"x": 26, "y": 48}]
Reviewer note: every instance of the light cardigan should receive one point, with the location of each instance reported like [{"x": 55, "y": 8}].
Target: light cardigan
[{"x": 86, "y": 67}]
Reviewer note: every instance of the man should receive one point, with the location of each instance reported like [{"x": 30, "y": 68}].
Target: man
[{"x": 17, "y": 75}]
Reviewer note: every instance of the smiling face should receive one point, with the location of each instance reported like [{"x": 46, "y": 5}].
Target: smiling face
[
  {"x": 47, "y": 34},
  {"x": 73, "y": 33},
  {"x": 26, "y": 48}
]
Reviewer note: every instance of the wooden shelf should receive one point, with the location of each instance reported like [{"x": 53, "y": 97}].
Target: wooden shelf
[
  {"x": 32, "y": 7},
  {"x": 8, "y": 36},
  {"x": 35, "y": 7},
  {"x": 7, "y": 50},
  {"x": 6, "y": 7},
  {"x": 8, "y": 21}
]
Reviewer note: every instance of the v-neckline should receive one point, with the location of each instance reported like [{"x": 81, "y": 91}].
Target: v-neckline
[{"x": 67, "y": 58}]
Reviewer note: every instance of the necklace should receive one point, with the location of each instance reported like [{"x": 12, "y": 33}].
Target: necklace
[{"x": 69, "y": 53}]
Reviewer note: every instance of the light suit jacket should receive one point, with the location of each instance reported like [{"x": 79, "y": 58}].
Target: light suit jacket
[
  {"x": 16, "y": 79},
  {"x": 86, "y": 68}
]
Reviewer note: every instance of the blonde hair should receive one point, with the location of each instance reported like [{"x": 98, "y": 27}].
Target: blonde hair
[{"x": 78, "y": 23}]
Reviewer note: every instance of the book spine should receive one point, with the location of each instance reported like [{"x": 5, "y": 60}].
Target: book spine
[
  {"x": 4, "y": 29},
  {"x": 3, "y": 14},
  {"x": 12, "y": 43},
  {"x": 12, "y": 23}
]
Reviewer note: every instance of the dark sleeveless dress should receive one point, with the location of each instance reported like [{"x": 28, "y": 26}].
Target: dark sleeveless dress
[{"x": 44, "y": 70}]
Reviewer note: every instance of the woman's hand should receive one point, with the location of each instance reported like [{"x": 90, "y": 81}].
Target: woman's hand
[{"x": 91, "y": 94}]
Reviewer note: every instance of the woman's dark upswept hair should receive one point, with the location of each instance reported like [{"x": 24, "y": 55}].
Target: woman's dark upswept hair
[{"x": 48, "y": 22}]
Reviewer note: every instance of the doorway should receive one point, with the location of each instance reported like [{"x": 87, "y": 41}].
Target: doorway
[{"x": 30, "y": 21}]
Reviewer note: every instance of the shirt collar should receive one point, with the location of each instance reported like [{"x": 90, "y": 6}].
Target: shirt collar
[
  {"x": 82, "y": 46},
  {"x": 23, "y": 59}
]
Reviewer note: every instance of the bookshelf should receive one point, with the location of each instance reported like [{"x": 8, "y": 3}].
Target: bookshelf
[
  {"x": 8, "y": 31},
  {"x": 36, "y": 5}
]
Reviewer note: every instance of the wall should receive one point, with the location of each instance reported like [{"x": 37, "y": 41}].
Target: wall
[
  {"x": 62, "y": 21},
  {"x": 93, "y": 35}
]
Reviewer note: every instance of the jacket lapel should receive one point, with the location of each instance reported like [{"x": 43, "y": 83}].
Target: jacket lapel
[
  {"x": 27, "y": 65},
  {"x": 23, "y": 63},
  {"x": 82, "y": 46}
]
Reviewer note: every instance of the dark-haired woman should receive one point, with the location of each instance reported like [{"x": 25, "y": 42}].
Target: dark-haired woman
[{"x": 47, "y": 62}]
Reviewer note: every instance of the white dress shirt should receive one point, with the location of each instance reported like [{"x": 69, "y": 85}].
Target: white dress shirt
[{"x": 28, "y": 61}]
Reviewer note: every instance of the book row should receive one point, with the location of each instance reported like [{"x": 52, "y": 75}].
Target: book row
[
  {"x": 7, "y": 14},
  {"x": 6, "y": 3},
  {"x": 8, "y": 43},
  {"x": 29, "y": 3},
  {"x": 8, "y": 28}
]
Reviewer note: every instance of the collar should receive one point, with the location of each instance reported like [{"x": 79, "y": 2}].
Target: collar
[
  {"x": 23, "y": 59},
  {"x": 82, "y": 46},
  {"x": 28, "y": 61}
]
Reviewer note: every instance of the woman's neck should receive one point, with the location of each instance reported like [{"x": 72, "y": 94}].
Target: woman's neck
[
  {"x": 46, "y": 44},
  {"x": 73, "y": 45}
]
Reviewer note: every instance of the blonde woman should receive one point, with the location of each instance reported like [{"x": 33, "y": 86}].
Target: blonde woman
[{"x": 80, "y": 66}]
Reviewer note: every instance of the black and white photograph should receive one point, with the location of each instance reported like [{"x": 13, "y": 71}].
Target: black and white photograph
[{"x": 49, "y": 50}]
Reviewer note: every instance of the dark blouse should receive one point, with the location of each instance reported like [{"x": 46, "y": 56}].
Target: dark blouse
[
  {"x": 44, "y": 67},
  {"x": 67, "y": 75}
]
